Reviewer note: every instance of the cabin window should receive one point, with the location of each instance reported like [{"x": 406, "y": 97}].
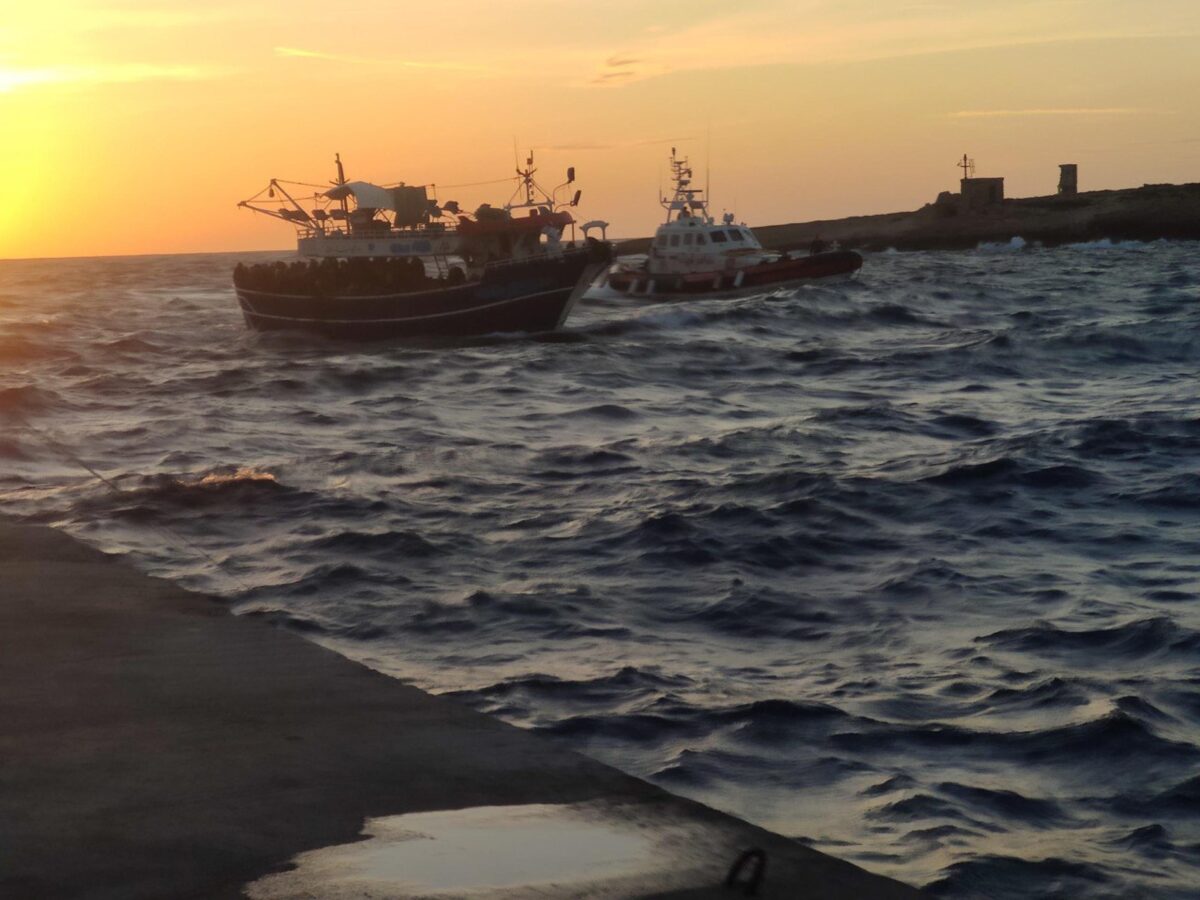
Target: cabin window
[
  {"x": 748, "y": 236},
  {"x": 687, "y": 239},
  {"x": 734, "y": 234},
  {"x": 700, "y": 238},
  {"x": 674, "y": 240},
  {"x": 718, "y": 237}
]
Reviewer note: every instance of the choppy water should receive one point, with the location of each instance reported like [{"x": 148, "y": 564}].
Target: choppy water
[{"x": 907, "y": 566}]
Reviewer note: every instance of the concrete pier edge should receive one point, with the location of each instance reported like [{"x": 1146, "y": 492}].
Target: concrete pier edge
[{"x": 154, "y": 745}]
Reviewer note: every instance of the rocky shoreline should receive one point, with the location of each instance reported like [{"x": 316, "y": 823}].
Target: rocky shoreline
[{"x": 1151, "y": 212}]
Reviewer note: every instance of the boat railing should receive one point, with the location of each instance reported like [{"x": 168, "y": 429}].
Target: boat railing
[
  {"x": 557, "y": 253},
  {"x": 307, "y": 231}
]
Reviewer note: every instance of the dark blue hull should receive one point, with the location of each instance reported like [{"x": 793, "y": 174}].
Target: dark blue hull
[{"x": 530, "y": 296}]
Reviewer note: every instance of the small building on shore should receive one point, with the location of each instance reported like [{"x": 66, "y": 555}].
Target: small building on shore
[
  {"x": 1068, "y": 179},
  {"x": 974, "y": 193},
  {"x": 980, "y": 193}
]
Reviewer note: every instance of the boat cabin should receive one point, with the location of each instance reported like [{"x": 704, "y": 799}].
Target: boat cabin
[
  {"x": 694, "y": 245},
  {"x": 690, "y": 240},
  {"x": 695, "y": 234},
  {"x": 360, "y": 220}
]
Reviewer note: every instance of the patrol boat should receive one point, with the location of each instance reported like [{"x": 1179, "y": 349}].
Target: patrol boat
[
  {"x": 692, "y": 254},
  {"x": 390, "y": 261}
]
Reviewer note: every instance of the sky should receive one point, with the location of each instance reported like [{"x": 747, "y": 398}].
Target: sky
[{"x": 136, "y": 127}]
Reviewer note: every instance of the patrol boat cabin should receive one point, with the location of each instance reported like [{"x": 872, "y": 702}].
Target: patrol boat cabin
[{"x": 692, "y": 253}]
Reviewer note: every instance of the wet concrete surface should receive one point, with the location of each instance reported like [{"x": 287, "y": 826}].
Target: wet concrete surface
[{"x": 152, "y": 745}]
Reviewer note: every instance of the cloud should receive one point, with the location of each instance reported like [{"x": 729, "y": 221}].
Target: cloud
[
  {"x": 771, "y": 32},
  {"x": 618, "y": 69},
  {"x": 314, "y": 54},
  {"x": 610, "y": 77}
]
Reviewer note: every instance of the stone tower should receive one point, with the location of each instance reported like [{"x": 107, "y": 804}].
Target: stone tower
[{"x": 1068, "y": 179}]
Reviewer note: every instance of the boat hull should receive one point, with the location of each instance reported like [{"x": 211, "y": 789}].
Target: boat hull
[
  {"x": 785, "y": 271},
  {"x": 528, "y": 296}
]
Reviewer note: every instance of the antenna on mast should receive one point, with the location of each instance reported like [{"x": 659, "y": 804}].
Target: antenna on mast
[
  {"x": 341, "y": 179},
  {"x": 528, "y": 187},
  {"x": 968, "y": 167},
  {"x": 708, "y": 162},
  {"x": 526, "y": 176}
]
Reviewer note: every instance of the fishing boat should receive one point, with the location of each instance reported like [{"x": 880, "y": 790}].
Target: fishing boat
[
  {"x": 692, "y": 254},
  {"x": 392, "y": 262}
]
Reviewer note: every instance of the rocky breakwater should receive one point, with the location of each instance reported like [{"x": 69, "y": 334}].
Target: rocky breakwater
[{"x": 1151, "y": 212}]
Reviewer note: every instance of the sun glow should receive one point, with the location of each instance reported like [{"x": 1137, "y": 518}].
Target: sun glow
[
  {"x": 155, "y": 119},
  {"x": 15, "y": 78}
]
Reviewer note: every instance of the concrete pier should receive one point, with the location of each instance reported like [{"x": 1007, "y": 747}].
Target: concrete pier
[{"x": 152, "y": 745}]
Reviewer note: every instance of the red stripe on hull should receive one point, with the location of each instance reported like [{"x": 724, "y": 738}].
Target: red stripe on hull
[{"x": 820, "y": 265}]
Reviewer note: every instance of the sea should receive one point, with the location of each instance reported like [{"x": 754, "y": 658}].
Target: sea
[{"x": 907, "y": 567}]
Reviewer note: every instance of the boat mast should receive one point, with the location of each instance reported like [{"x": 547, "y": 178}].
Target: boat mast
[
  {"x": 341, "y": 179},
  {"x": 535, "y": 194},
  {"x": 684, "y": 200},
  {"x": 530, "y": 188}
]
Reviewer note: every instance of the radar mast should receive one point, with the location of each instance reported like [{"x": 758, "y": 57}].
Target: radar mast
[{"x": 687, "y": 202}]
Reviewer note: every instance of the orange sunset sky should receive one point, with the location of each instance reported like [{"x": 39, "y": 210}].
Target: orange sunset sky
[{"x": 136, "y": 126}]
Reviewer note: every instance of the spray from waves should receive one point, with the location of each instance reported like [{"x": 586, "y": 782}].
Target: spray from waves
[
  {"x": 1014, "y": 245},
  {"x": 242, "y": 475},
  {"x": 1017, "y": 244}
]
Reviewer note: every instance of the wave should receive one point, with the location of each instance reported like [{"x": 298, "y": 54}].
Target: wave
[
  {"x": 606, "y": 411},
  {"x": 1012, "y": 878},
  {"x": 634, "y": 728},
  {"x": 1137, "y": 437},
  {"x": 226, "y": 485},
  {"x": 1007, "y": 470},
  {"x": 403, "y": 544},
  {"x": 709, "y": 768},
  {"x": 233, "y": 491},
  {"x": 964, "y": 425},
  {"x": 28, "y": 399},
  {"x": 763, "y": 613},
  {"x": 1178, "y": 800},
  {"x": 309, "y": 625},
  {"x": 1108, "y": 742},
  {"x": 1006, "y": 805},
  {"x": 535, "y": 697},
  {"x": 920, "y": 807},
  {"x": 1175, "y": 492},
  {"x": 1109, "y": 244},
  {"x": 897, "y": 314},
  {"x": 1013, "y": 245},
  {"x": 1149, "y": 841},
  {"x": 34, "y": 348},
  {"x": 921, "y": 543},
  {"x": 1134, "y": 640},
  {"x": 13, "y": 449},
  {"x": 131, "y": 344}
]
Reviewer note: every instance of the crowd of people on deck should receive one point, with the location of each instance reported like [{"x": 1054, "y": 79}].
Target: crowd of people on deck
[{"x": 347, "y": 277}]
